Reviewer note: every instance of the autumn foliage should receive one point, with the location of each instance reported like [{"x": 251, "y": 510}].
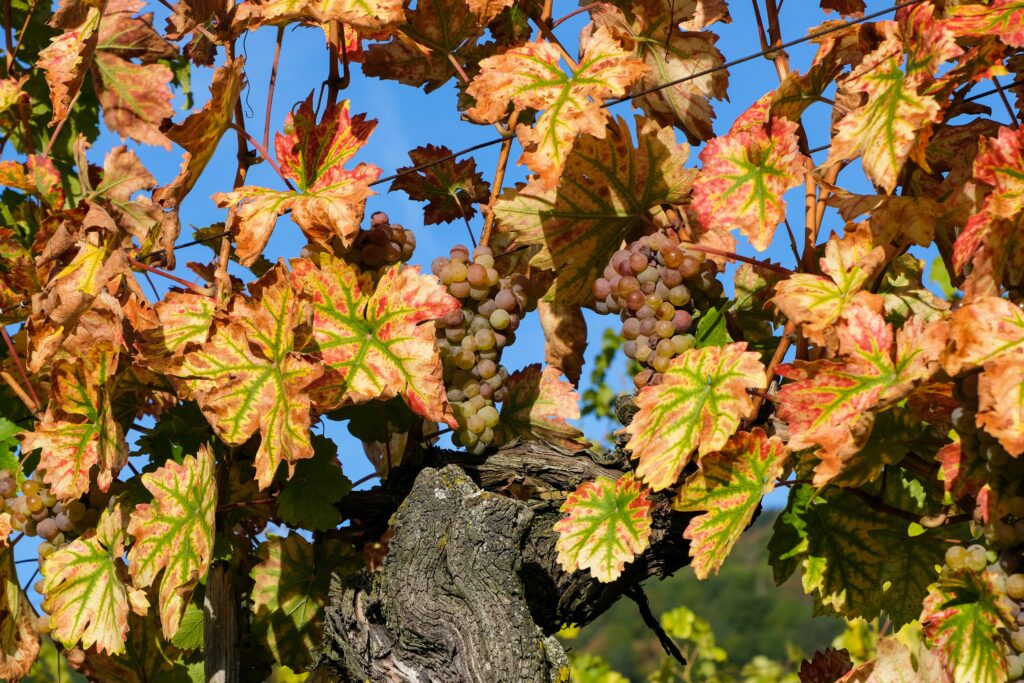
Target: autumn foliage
[{"x": 164, "y": 434}]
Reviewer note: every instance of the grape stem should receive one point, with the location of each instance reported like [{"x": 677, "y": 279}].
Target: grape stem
[
  {"x": 21, "y": 371},
  {"x": 757, "y": 263}
]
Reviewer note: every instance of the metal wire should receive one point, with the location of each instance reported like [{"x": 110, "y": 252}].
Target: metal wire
[{"x": 700, "y": 74}]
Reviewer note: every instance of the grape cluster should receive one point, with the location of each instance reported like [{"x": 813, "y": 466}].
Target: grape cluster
[
  {"x": 472, "y": 337},
  {"x": 1005, "y": 527},
  {"x": 35, "y": 511},
  {"x": 1007, "y": 575},
  {"x": 384, "y": 244},
  {"x": 657, "y": 287}
]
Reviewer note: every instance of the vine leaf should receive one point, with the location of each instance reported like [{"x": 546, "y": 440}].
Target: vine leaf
[
  {"x": 885, "y": 130},
  {"x": 19, "y": 644},
  {"x": 848, "y": 553},
  {"x": 895, "y": 662},
  {"x": 66, "y": 60},
  {"x": 174, "y": 533},
  {"x": 87, "y": 597},
  {"x": 248, "y": 376},
  {"x": 606, "y": 524},
  {"x": 529, "y": 77},
  {"x": 988, "y": 237},
  {"x": 831, "y": 403},
  {"x": 290, "y": 593},
  {"x": 744, "y": 177},
  {"x": 989, "y": 331},
  {"x": 816, "y": 302},
  {"x": 376, "y": 343},
  {"x": 578, "y": 228},
  {"x": 728, "y": 488},
  {"x": 826, "y": 666},
  {"x": 330, "y": 199},
  {"x": 537, "y": 407},
  {"x": 78, "y": 430},
  {"x": 1002, "y": 18},
  {"x": 962, "y": 619},
  {"x": 200, "y": 132},
  {"x": 37, "y": 176},
  {"x": 847, "y": 8},
  {"x": 147, "y": 656},
  {"x": 697, "y": 407},
  {"x": 451, "y": 188},
  {"x": 671, "y": 55},
  {"x": 565, "y": 337},
  {"x": 308, "y": 499},
  {"x": 135, "y": 98},
  {"x": 181, "y": 321}
]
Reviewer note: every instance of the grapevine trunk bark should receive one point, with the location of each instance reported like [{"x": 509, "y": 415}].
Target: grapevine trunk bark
[{"x": 471, "y": 589}]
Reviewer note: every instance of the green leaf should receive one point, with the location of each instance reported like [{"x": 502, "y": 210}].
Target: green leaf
[
  {"x": 697, "y": 407},
  {"x": 290, "y": 592},
  {"x": 308, "y": 498},
  {"x": 711, "y": 329},
  {"x": 175, "y": 533},
  {"x": 189, "y": 635},
  {"x": 8, "y": 443},
  {"x": 728, "y": 488},
  {"x": 606, "y": 524},
  {"x": 855, "y": 561},
  {"x": 963, "y": 617}
]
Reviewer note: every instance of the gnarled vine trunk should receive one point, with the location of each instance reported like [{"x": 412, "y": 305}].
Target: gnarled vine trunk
[{"x": 471, "y": 589}]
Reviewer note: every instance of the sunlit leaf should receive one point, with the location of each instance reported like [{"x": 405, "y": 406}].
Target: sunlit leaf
[
  {"x": 605, "y": 524},
  {"x": 745, "y": 174},
  {"x": 1002, "y": 18},
  {"x": 329, "y": 200},
  {"x": 67, "y": 59},
  {"x": 200, "y": 132},
  {"x": 963, "y": 616},
  {"x": 696, "y": 408},
  {"x": 87, "y": 596},
  {"x": 174, "y": 533},
  {"x": 728, "y": 489},
  {"x": 248, "y": 377},
  {"x": 374, "y": 341},
  {"x": 529, "y": 77}
]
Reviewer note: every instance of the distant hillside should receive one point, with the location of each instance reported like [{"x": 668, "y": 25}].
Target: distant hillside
[{"x": 750, "y": 615}]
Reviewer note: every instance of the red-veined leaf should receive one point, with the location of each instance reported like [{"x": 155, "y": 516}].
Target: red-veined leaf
[
  {"x": 174, "y": 533},
  {"x": 66, "y": 60},
  {"x": 605, "y": 525},
  {"x": 248, "y": 376},
  {"x": 37, "y": 176},
  {"x": 376, "y": 342},
  {"x": 728, "y": 488},
  {"x": 982, "y": 330},
  {"x": 329, "y": 201},
  {"x": 696, "y": 408},
  {"x": 895, "y": 663},
  {"x": 529, "y": 77},
  {"x": 1001, "y": 401},
  {"x": 744, "y": 177}
]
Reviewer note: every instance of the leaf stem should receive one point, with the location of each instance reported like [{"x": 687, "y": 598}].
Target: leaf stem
[
  {"x": 16, "y": 357},
  {"x": 170, "y": 276},
  {"x": 264, "y": 153},
  {"x": 19, "y": 392},
  {"x": 270, "y": 88},
  {"x": 570, "y": 15},
  {"x": 1006, "y": 103},
  {"x": 767, "y": 265},
  {"x": 499, "y": 178}
]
